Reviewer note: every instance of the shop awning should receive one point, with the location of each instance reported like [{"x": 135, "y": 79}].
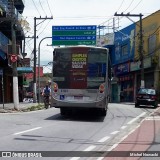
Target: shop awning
[{"x": 25, "y": 69}]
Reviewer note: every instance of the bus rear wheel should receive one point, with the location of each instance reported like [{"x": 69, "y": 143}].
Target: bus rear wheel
[{"x": 63, "y": 111}]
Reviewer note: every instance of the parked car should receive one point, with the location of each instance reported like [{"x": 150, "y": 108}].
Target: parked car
[{"x": 147, "y": 97}]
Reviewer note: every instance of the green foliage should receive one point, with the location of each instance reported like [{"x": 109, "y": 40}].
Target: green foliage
[
  {"x": 47, "y": 75},
  {"x": 34, "y": 108}
]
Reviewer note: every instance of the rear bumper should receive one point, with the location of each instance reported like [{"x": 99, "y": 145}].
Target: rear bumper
[
  {"x": 146, "y": 102},
  {"x": 91, "y": 104}
]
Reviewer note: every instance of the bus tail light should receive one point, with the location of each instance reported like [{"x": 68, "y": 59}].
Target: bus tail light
[
  {"x": 101, "y": 88},
  {"x": 55, "y": 87}
]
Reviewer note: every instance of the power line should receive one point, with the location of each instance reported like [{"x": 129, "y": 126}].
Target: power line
[
  {"x": 129, "y": 6},
  {"x": 49, "y": 8},
  {"x": 42, "y": 7},
  {"x": 36, "y": 7},
  {"x": 136, "y": 6},
  {"x": 41, "y": 24},
  {"x": 120, "y": 5},
  {"x": 44, "y": 28}
]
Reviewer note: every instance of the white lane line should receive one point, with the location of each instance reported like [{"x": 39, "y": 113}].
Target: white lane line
[
  {"x": 90, "y": 148},
  {"x": 75, "y": 158},
  {"x": 134, "y": 119},
  {"x": 27, "y": 130},
  {"x": 100, "y": 158},
  {"x": 87, "y": 149},
  {"x": 114, "y": 146},
  {"x": 153, "y": 118},
  {"x": 123, "y": 127},
  {"x": 103, "y": 139},
  {"x": 115, "y": 132}
]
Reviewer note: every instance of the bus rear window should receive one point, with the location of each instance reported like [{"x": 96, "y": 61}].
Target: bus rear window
[{"x": 80, "y": 68}]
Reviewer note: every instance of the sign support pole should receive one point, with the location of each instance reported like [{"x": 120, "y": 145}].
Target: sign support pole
[
  {"x": 2, "y": 91},
  {"x": 1, "y": 73}
]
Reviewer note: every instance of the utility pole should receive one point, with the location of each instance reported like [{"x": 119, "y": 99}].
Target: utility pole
[
  {"x": 34, "y": 75},
  {"x": 140, "y": 43},
  {"x": 14, "y": 64}
]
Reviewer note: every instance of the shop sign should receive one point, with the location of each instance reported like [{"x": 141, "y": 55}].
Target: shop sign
[
  {"x": 104, "y": 40},
  {"x": 134, "y": 66},
  {"x": 125, "y": 78},
  {"x": 122, "y": 68},
  {"x": 25, "y": 69}
]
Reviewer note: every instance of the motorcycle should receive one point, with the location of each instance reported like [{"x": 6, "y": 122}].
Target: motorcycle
[{"x": 46, "y": 102}]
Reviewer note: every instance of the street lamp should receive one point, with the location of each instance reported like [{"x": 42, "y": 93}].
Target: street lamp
[{"x": 39, "y": 64}]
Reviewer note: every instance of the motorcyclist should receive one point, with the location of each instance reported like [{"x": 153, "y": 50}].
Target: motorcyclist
[{"x": 46, "y": 94}]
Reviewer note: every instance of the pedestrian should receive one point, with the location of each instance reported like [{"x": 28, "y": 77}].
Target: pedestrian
[{"x": 121, "y": 96}]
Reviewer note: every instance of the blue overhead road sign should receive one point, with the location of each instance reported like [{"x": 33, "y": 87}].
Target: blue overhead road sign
[{"x": 74, "y": 35}]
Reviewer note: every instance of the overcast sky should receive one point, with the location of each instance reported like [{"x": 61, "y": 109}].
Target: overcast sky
[{"x": 79, "y": 12}]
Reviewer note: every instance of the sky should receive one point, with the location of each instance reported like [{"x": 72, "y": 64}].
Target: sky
[{"x": 78, "y": 12}]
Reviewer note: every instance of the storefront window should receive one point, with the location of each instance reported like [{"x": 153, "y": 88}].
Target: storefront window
[{"x": 127, "y": 87}]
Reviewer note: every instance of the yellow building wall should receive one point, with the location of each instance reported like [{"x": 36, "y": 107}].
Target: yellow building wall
[{"x": 150, "y": 27}]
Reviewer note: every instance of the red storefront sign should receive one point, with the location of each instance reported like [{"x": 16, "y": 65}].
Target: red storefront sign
[{"x": 30, "y": 75}]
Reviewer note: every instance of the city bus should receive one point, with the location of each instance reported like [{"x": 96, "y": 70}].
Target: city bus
[{"x": 81, "y": 78}]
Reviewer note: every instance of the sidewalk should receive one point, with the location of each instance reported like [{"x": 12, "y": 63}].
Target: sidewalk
[
  {"x": 22, "y": 105},
  {"x": 145, "y": 138}
]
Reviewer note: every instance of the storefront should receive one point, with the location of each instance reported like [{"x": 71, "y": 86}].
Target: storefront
[
  {"x": 125, "y": 84},
  {"x": 126, "y": 88}
]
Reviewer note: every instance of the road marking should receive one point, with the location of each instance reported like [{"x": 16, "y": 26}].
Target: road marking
[
  {"x": 87, "y": 149},
  {"x": 90, "y": 148},
  {"x": 27, "y": 130},
  {"x": 153, "y": 118},
  {"x": 123, "y": 127},
  {"x": 103, "y": 139},
  {"x": 115, "y": 132},
  {"x": 114, "y": 146},
  {"x": 100, "y": 158},
  {"x": 134, "y": 119},
  {"x": 75, "y": 158}
]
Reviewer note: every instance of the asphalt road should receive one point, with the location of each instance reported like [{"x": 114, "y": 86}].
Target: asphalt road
[{"x": 47, "y": 130}]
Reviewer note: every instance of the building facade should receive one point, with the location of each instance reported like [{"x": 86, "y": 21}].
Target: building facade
[
  {"x": 127, "y": 62},
  {"x": 9, "y": 10},
  {"x": 151, "y": 51},
  {"x": 122, "y": 56}
]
